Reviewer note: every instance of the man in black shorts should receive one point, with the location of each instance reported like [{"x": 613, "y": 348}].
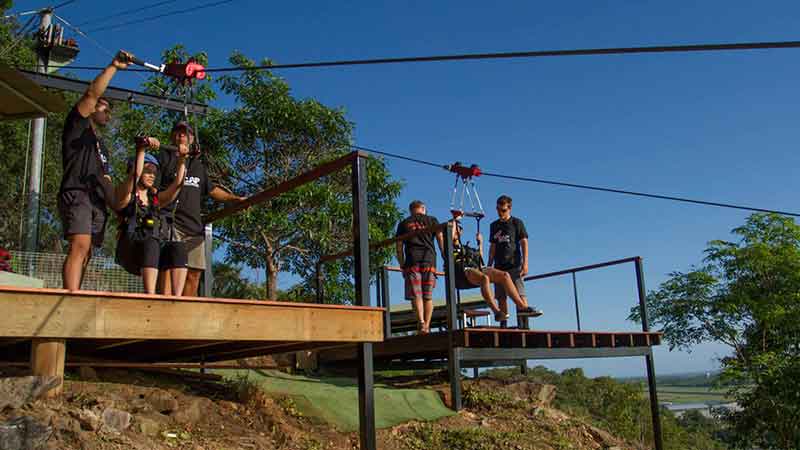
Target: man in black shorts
[
  {"x": 417, "y": 258},
  {"x": 508, "y": 251},
  {"x": 86, "y": 185},
  {"x": 186, "y": 210}
]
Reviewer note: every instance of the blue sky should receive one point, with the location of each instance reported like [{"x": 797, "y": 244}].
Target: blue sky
[{"x": 713, "y": 126}]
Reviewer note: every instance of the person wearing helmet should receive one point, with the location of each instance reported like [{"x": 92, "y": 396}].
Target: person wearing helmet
[
  {"x": 141, "y": 249},
  {"x": 185, "y": 215},
  {"x": 470, "y": 272}
]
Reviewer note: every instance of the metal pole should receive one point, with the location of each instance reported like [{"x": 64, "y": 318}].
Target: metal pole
[
  {"x": 37, "y": 147},
  {"x": 453, "y": 357},
  {"x": 387, "y": 313},
  {"x": 655, "y": 411},
  {"x": 366, "y": 399},
  {"x": 575, "y": 293}
]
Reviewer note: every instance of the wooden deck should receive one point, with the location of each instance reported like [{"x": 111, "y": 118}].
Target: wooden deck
[
  {"x": 150, "y": 328},
  {"x": 496, "y": 344}
]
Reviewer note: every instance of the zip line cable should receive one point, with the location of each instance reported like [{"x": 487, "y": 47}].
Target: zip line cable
[
  {"x": 490, "y": 56},
  {"x": 64, "y": 4},
  {"x": 127, "y": 12},
  {"x": 588, "y": 187},
  {"x": 160, "y": 16}
]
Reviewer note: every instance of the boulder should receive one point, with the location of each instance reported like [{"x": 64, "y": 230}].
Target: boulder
[
  {"x": 148, "y": 426},
  {"x": 193, "y": 412},
  {"x": 19, "y": 391},
  {"x": 116, "y": 419},
  {"x": 24, "y": 433},
  {"x": 162, "y": 401},
  {"x": 89, "y": 420}
]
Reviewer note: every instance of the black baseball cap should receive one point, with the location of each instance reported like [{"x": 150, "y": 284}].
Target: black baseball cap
[{"x": 183, "y": 124}]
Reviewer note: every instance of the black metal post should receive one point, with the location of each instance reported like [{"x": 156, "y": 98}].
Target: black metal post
[
  {"x": 387, "y": 312},
  {"x": 575, "y": 293},
  {"x": 651, "y": 371},
  {"x": 453, "y": 356},
  {"x": 320, "y": 284},
  {"x": 366, "y": 399}
]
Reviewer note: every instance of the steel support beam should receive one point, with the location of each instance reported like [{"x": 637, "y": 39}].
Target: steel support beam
[
  {"x": 453, "y": 359},
  {"x": 387, "y": 312},
  {"x": 648, "y": 358},
  {"x": 511, "y": 356},
  {"x": 366, "y": 399},
  {"x": 126, "y": 95}
]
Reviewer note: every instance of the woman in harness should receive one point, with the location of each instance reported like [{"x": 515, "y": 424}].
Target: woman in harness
[
  {"x": 470, "y": 272},
  {"x": 141, "y": 248}
]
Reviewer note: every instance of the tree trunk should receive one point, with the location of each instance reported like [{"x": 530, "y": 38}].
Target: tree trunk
[
  {"x": 272, "y": 281},
  {"x": 272, "y": 270}
]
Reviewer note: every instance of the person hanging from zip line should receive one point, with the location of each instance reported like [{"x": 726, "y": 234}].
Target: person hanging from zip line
[
  {"x": 470, "y": 272},
  {"x": 86, "y": 187},
  {"x": 417, "y": 258},
  {"x": 184, "y": 215},
  {"x": 144, "y": 244},
  {"x": 508, "y": 251}
]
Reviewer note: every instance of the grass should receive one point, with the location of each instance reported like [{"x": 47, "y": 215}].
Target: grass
[{"x": 690, "y": 394}]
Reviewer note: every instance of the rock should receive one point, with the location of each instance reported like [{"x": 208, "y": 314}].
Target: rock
[
  {"x": 17, "y": 392},
  {"x": 162, "y": 401},
  {"x": 148, "y": 426},
  {"x": 117, "y": 420},
  {"x": 23, "y": 433},
  {"x": 87, "y": 373},
  {"x": 229, "y": 405},
  {"x": 89, "y": 420},
  {"x": 193, "y": 412},
  {"x": 540, "y": 394}
]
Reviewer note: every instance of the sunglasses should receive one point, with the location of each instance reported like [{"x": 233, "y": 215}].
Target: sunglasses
[{"x": 150, "y": 169}]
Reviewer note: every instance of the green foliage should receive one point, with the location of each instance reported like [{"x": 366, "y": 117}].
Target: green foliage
[
  {"x": 619, "y": 408},
  {"x": 14, "y": 168},
  {"x": 745, "y": 296},
  {"x": 271, "y": 137},
  {"x": 428, "y": 437},
  {"x": 229, "y": 283},
  {"x": 487, "y": 400}
]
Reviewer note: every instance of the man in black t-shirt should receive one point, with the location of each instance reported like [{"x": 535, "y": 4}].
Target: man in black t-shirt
[
  {"x": 508, "y": 251},
  {"x": 188, "y": 222},
  {"x": 417, "y": 258},
  {"x": 85, "y": 184}
]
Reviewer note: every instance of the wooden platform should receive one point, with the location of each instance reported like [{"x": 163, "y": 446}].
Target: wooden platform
[
  {"x": 151, "y": 328},
  {"x": 502, "y": 344}
]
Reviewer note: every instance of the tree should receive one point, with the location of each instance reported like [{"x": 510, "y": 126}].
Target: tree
[
  {"x": 15, "y": 148},
  {"x": 747, "y": 296},
  {"x": 271, "y": 137}
]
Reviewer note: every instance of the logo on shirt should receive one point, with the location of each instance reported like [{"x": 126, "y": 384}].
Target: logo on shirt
[
  {"x": 192, "y": 181},
  {"x": 414, "y": 226},
  {"x": 502, "y": 238}
]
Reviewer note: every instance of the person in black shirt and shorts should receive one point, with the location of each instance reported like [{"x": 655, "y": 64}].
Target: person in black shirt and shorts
[
  {"x": 85, "y": 184},
  {"x": 508, "y": 251},
  {"x": 417, "y": 258},
  {"x": 186, "y": 210}
]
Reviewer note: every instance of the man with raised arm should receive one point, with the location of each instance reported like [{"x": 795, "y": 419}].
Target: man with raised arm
[
  {"x": 417, "y": 258},
  {"x": 508, "y": 251},
  {"x": 85, "y": 184}
]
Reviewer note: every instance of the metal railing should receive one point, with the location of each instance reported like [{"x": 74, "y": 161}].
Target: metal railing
[{"x": 574, "y": 270}]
